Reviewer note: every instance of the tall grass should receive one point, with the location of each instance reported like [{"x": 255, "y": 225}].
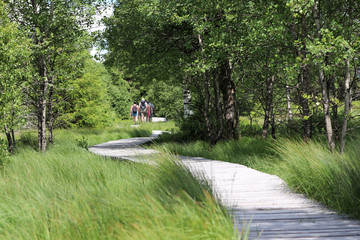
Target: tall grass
[
  {"x": 329, "y": 177},
  {"x": 69, "y": 193},
  {"x": 246, "y": 150},
  {"x": 310, "y": 168},
  {"x": 94, "y": 136}
]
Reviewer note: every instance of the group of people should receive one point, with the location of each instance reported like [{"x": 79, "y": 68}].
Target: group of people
[{"x": 145, "y": 111}]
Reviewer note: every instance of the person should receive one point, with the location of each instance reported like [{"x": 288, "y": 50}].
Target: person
[
  {"x": 134, "y": 110},
  {"x": 142, "y": 110},
  {"x": 151, "y": 111},
  {"x": 147, "y": 111}
]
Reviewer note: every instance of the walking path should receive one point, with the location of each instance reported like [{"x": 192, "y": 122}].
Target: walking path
[{"x": 261, "y": 202}]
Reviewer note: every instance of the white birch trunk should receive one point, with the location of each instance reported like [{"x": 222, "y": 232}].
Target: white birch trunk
[
  {"x": 289, "y": 116},
  {"x": 324, "y": 86},
  {"x": 347, "y": 105},
  {"x": 187, "y": 101}
]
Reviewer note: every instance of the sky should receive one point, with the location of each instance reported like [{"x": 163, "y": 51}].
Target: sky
[{"x": 97, "y": 26}]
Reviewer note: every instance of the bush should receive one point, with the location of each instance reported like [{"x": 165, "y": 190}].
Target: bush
[
  {"x": 83, "y": 142},
  {"x": 4, "y": 153},
  {"x": 29, "y": 139},
  {"x": 88, "y": 104},
  {"x": 250, "y": 130}
]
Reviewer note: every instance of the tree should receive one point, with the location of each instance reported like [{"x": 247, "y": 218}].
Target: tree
[
  {"x": 88, "y": 104},
  {"x": 14, "y": 55},
  {"x": 119, "y": 91},
  {"x": 281, "y": 54},
  {"x": 167, "y": 99},
  {"x": 332, "y": 48},
  {"x": 57, "y": 29},
  {"x": 175, "y": 41}
]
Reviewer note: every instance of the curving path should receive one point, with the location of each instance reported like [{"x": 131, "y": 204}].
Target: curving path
[{"x": 259, "y": 201}]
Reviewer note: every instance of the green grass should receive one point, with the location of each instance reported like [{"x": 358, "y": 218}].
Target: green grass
[
  {"x": 309, "y": 168},
  {"x": 329, "y": 177},
  {"x": 69, "y": 193},
  {"x": 94, "y": 136},
  {"x": 247, "y": 150}
]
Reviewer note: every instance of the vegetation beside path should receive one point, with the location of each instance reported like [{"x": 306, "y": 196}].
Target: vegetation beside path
[
  {"x": 68, "y": 192},
  {"x": 309, "y": 168}
]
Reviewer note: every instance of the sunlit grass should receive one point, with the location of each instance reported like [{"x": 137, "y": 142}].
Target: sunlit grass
[
  {"x": 245, "y": 151},
  {"x": 69, "y": 193},
  {"x": 329, "y": 177},
  {"x": 309, "y": 168},
  {"x": 93, "y": 136}
]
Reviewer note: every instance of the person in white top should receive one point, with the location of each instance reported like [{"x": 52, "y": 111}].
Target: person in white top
[{"x": 143, "y": 110}]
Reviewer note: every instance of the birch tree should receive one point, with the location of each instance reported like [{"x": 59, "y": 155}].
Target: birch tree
[
  {"x": 14, "y": 55},
  {"x": 56, "y": 28}
]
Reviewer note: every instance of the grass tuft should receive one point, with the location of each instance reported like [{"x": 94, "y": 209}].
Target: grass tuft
[
  {"x": 68, "y": 192},
  {"x": 329, "y": 177}
]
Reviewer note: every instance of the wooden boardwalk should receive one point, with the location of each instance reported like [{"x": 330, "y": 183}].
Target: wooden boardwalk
[{"x": 258, "y": 201}]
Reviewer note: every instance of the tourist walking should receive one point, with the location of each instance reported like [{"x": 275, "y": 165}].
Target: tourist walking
[
  {"x": 147, "y": 112},
  {"x": 134, "y": 112},
  {"x": 142, "y": 110},
  {"x": 151, "y": 111}
]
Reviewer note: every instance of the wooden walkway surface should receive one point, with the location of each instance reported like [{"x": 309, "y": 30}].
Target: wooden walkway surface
[{"x": 258, "y": 201}]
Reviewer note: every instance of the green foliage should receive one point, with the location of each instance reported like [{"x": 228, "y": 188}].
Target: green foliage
[
  {"x": 119, "y": 92},
  {"x": 250, "y": 130},
  {"x": 58, "y": 35},
  {"x": 89, "y": 105},
  {"x": 167, "y": 99},
  {"x": 191, "y": 129},
  {"x": 4, "y": 153},
  {"x": 83, "y": 142},
  {"x": 188, "y": 42},
  {"x": 14, "y": 57},
  {"x": 28, "y": 138}
]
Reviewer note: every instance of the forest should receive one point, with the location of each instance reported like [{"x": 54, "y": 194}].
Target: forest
[
  {"x": 290, "y": 66},
  {"x": 281, "y": 78}
]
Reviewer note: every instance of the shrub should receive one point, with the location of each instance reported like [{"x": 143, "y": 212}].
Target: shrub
[{"x": 4, "y": 153}]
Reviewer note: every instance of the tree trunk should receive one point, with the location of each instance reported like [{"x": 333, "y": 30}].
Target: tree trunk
[
  {"x": 326, "y": 107},
  {"x": 324, "y": 86},
  {"x": 347, "y": 85},
  {"x": 305, "y": 105},
  {"x": 13, "y": 138},
  {"x": 303, "y": 79},
  {"x": 268, "y": 104},
  {"x": 266, "y": 123},
  {"x": 227, "y": 88},
  {"x": 44, "y": 85},
  {"x": 218, "y": 107},
  {"x": 187, "y": 100},
  {"x": 9, "y": 139},
  {"x": 51, "y": 113},
  {"x": 347, "y": 105},
  {"x": 289, "y": 116},
  {"x": 207, "y": 98},
  {"x": 334, "y": 108},
  {"x": 273, "y": 124}
]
